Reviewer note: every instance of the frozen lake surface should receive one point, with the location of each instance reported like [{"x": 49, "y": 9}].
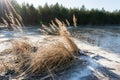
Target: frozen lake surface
[{"x": 106, "y": 38}]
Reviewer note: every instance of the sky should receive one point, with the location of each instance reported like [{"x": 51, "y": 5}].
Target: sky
[{"x": 109, "y": 5}]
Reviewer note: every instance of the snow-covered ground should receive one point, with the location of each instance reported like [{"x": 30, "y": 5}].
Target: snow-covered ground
[{"x": 100, "y": 48}]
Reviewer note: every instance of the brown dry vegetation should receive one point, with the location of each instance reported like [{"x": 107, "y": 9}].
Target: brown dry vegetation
[{"x": 56, "y": 54}]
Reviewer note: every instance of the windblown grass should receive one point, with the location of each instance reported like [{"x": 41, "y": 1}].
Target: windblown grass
[
  {"x": 57, "y": 27},
  {"x": 52, "y": 56},
  {"x": 21, "y": 49}
]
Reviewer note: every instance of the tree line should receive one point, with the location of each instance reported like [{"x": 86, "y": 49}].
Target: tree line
[{"x": 45, "y": 14}]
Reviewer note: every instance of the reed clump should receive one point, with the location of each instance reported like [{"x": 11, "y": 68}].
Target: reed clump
[
  {"x": 21, "y": 46},
  {"x": 52, "y": 56}
]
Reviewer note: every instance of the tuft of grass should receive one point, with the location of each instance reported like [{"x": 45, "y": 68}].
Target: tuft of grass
[
  {"x": 22, "y": 49},
  {"x": 22, "y": 46},
  {"x": 53, "y": 57}
]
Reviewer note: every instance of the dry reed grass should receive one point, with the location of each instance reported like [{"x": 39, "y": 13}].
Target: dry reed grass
[
  {"x": 74, "y": 20},
  {"x": 53, "y": 56},
  {"x": 12, "y": 20},
  {"x": 22, "y": 46},
  {"x": 68, "y": 23},
  {"x": 50, "y": 57},
  {"x": 62, "y": 31},
  {"x": 2, "y": 67},
  {"x": 58, "y": 27},
  {"x": 22, "y": 49}
]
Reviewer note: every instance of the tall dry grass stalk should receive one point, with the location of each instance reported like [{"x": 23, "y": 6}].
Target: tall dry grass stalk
[
  {"x": 74, "y": 20},
  {"x": 12, "y": 10},
  {"x": 4, "y": 22},
  {"x": 12, "y": 19},
  {"x": 68, "y": 23}
]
